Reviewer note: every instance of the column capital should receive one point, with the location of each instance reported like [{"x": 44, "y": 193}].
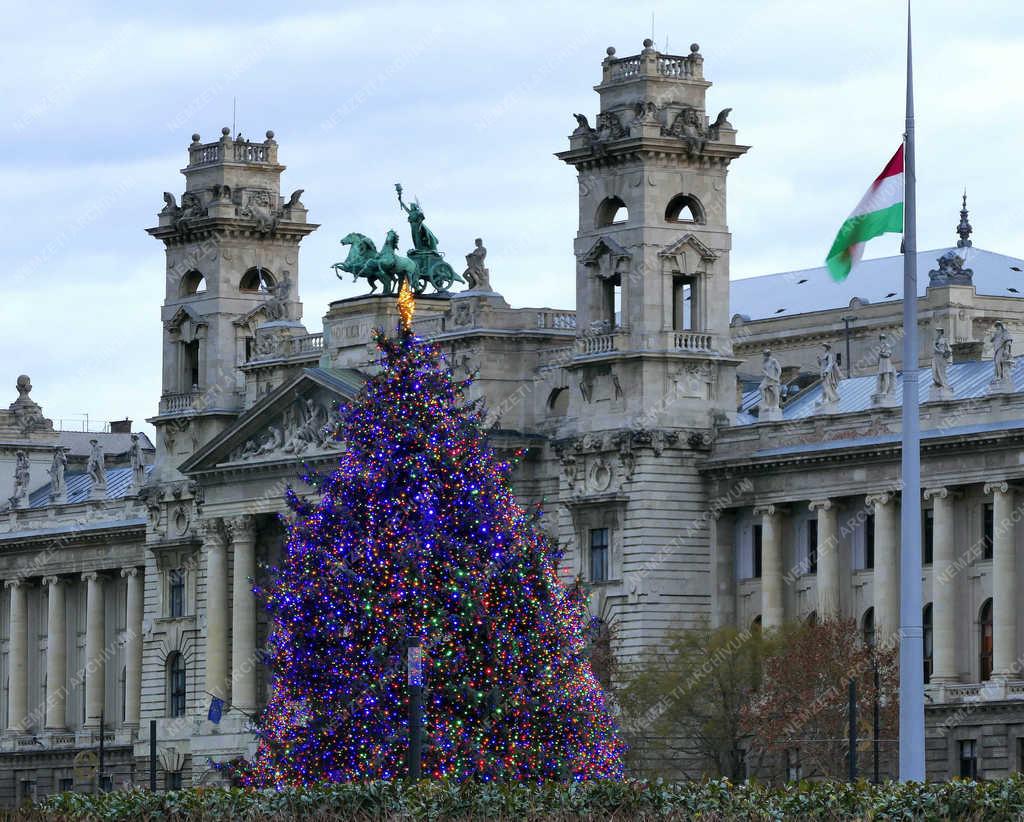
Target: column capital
[
  {"x": 15, "y": 583},
  {"x": 129, "y": 572},
  {"x": 770, "y": 509},
  {"x": 213, "y": 531},
  {"x": 240, "y": 528},
  {"x": 881, "y": 498},
  {"x": 91, "y": 576},
  {"x": 53, "y": 580},
  {"x": 999, "y": 486},
  {"x": 820, "y": 504},
  {"x": 939, "y": 492}
]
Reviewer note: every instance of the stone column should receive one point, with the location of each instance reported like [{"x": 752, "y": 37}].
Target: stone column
[
  {"x": 773, "y": 611},
  {"x": 17, "y": 657},
  {"x": 243, "y": 614},
  {"x": 94, "y": 663},
  {"x": 943, "y": 587},
  {"x": 1004, "y": 580},
  {"x": 828, "y": 559},
  {"x": 216, "y": 609},
  {"x": 133, "y": 647},
  {"x": 56, "y": 654},
  {"x": 887, "y": 591},
  {"x": 723, "y": 568}
]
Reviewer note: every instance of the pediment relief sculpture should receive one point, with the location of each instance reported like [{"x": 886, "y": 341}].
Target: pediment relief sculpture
[{"x": 307, "y": 425}]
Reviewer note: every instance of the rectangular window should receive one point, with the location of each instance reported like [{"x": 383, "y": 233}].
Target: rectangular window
[
  {"x": 755, "y": 552},
  {"x": 869, "y": 542},
  {"x": 598, "y": 554},
  {"x": 988, "y": 531},
  {"x": 172, "y": 780},
  {"x": 1020, "y": 753},
  {"x": 176, "y": 589},
  {"x": 927, "y": 535},
  {"x": 968, "y": 759},
  {"x": 793, "y": 769},
  {"x": 66, "y": 785},
  {"x": 812, "y": 546}
]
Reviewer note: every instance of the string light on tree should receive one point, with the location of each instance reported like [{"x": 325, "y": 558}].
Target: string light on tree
[{"x": 418, "y": 536}]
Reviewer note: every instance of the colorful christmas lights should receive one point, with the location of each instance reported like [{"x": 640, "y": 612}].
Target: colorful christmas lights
[{"x": 418, "y": 534}]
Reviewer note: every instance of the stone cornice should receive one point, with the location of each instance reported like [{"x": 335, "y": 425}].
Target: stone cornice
[
  {"x": 73, "y": 537},
  {"x": 877, "y": 452}
]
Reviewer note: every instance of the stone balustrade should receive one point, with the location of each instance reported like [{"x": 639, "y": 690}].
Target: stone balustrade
[
  {"x": 182, "y": 401},
  {"x": 556, "y": 319},
  {"x": 229, "y": 150},
  {"x": 693, "y": 341}
]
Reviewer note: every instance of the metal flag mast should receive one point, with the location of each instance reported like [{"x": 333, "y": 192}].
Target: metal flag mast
[{"x": 911, "y": 737}]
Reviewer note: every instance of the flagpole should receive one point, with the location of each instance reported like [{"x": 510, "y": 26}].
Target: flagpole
[{"x": 911, "y": 737}]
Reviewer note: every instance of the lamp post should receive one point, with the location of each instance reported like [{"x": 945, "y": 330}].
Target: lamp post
[{"x": 414, "y": 667}]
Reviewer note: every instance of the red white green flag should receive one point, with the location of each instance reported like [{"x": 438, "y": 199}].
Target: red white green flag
[{"x": 880, "y": 211}]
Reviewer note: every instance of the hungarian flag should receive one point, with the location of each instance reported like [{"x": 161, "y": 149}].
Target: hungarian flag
[{"x": 880, "y": 211}]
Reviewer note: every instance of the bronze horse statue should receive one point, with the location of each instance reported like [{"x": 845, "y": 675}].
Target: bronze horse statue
[{"x": 385, "y": 266}]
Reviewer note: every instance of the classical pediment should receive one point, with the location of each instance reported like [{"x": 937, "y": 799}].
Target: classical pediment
[
  {"x": 185, "y": 318},
  {"x": 603, "y": 246},
  {"x": 687, "y": 255},
  {"x": 295, "y": 422}
]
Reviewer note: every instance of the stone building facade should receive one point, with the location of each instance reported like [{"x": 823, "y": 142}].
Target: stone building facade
[{"x": 678, "y": 492}]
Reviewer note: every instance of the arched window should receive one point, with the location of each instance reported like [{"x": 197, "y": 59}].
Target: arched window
[
  {"x": 985, "y": 640},
  {"x": 755, "y": 626},
  {"x": 256, "y": 279},
  {"x": 192, "y": 283},
  {"x": 175, "y": 684},
  {"x": 685, "y": 208},
  {"x": 558, "y": 402},
  {"x": 812, "y": 619},
  {"x": 612, "y": 211},
  {"x": 926, "y": 624},
  {"x": 867, "y": 626}
]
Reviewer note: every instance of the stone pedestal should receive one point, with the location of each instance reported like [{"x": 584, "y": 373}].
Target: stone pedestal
[
  {"x": 769, "y": 414},
  {"x": 884, "y": 400},
  {"x": 1000, "y": 387},
  {"x": 940, "y": 393},
  {"x": 823, "y": 407}
]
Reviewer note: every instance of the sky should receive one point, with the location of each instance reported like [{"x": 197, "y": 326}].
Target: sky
[{"x": 464, "y": 104}]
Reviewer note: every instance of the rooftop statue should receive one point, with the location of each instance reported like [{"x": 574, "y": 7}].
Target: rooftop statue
[{"x": 423, "y": 266}]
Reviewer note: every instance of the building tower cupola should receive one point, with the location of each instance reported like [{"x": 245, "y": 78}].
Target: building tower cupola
[
  {"x": 232, "y": 245},
  {"x": 652, "y": 248}
]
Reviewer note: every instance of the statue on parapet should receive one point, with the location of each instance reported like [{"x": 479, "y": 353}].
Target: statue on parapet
[
  {"x": 477, "y": 277},
  {"x": 423, "y": 238}
]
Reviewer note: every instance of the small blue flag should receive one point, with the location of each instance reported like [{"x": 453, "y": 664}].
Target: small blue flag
[{"x": 216, "y": 710}]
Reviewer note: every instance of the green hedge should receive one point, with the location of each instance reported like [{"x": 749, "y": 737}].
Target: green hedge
[{"x": 712, "y": 800}]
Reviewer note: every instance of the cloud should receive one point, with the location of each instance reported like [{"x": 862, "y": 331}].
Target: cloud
[{"x": 465, "y": 105}]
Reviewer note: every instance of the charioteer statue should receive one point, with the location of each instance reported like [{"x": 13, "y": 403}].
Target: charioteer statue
[{"x": 423, "y": 266}]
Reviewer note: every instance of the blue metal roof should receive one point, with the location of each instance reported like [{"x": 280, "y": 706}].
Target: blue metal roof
[
  {"x": 967, "y": 379},
  {"x": 877, "y": 281},
  {"x": 119, "y": 483}
]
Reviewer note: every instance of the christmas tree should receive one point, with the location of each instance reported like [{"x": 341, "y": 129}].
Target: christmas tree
[{"x": 418, "y": 537}]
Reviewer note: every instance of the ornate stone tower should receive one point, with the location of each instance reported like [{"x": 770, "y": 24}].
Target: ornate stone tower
[
  {"x": 232, "y": 284},
  {"x": 653, "y": 370}
]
